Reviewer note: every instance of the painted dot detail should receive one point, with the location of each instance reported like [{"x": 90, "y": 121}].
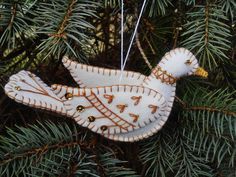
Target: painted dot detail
[
  {"x": 104, "y": 128},
  {"x": 80, "y": 108},
  {"x": 68, "y": 96},
  {"x": 91, "y": 118},
  {"x": 18, "y": 88}
]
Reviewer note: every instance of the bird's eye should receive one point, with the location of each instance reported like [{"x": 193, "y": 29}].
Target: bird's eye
[{"x": 188, "y": 62}]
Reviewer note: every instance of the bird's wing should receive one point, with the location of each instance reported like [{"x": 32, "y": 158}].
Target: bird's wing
[
  {"x": 24, "y": 87},
  {"x": 90, "y": 76},
  {"x": 115, "y": 111}
]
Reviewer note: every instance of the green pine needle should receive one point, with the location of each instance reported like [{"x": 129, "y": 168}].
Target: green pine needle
[
  {"x": 49, "y": 149},
  {"x": 207, "y": 35},
  {"x": 210, "y": 124}
]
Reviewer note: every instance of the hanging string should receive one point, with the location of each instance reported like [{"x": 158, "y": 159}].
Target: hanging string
[
  {"x": 142, "y": 52},
  {"x": 133, "y": 36},
  {"x": 122, "y": 35},
  {"x": 123, "y": 63}
]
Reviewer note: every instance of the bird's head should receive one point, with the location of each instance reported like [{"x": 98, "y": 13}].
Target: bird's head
[{"x": 181, "y": 62}]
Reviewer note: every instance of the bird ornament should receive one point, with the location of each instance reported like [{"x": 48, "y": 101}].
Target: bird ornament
[{"x": 128, "y": 109}]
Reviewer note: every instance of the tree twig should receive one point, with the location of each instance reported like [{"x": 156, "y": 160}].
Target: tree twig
[
  {"x": 41, "y": 150},
  {"x": 207, "y": 23},
  {"x": 211, "y": 109}
]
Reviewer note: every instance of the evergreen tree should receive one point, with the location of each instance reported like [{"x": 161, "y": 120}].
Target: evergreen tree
[{"x": 199, "y": 138}]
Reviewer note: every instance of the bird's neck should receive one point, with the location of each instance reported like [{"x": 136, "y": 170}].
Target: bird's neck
[
  {"x": 161, "y": 74},
  {"x": 162, "y": 82}
]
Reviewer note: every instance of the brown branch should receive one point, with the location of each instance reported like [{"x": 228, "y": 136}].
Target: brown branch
[
  {"x": 39, "y": 151},
  {"x": 221, "y": 137},
  {"x": 210, "y": 109},
  {"x": 13, "y": 13},
  {"x": 177, "y": 24},
  {"x": 207, "y": 23},
  {"x": 61, "y": 30},
  {"x": 183, "y": 104},
  {"x": 72, "y": 169},
  {"x": 204, "y": 108},
  {"x": 176, "y": 35},
  {"x": 100, "y": 168},
  {"x": 106, "y": 31}
]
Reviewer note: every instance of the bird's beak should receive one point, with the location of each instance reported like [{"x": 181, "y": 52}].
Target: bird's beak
[{"x": 201, "y": 72}]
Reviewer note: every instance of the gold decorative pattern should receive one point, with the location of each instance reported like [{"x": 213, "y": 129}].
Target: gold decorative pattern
[
  {"x": 109, "y": 98},
  {"x": 68, "y": 96},
  {"x": 33, "y": 86},
  {"x": 122, "y": 107},
  {"x": 188, "y": 62},
  {"x": 104, "y": 128},
  {"x": 113, "y": 117},
  {"x": 80, "y": 108},
  {"x": 164, "y": 76},
  {"x": 134, "y": 116},
  {"x": 154, "y": 108},
  {"x": 136, "y": 99},
  {"x": 18, "y": 88},
  {"x": 91, "y": 118}
]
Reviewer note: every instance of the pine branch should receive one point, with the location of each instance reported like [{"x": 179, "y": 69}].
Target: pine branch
[
  {"x": 157, "y": 155},
  {"x": 48, "y": 149},
  {"x": 41, "y": 150},
  {"x": 211, "y": 147},
  {"x": 201, "y": 37},
  {"x": 13, "y": 22},
  {"x": 67, "y": 25},
  {"x": 198, "y": 139},
  {"x": 171, "y": 155},
  {"x": 60, "y": 32},
  {"x": 225, "y": 171},
  {"x": 189, "y": 163},
  {"x": 155, "y": 8},
  {"x": 110, "y": 168},
  {"x": 229, "y": 8},
  {"x": 189, "y": 2},
  {"x": 209, "y": 123},
  {"x": 211, "y": 109}
]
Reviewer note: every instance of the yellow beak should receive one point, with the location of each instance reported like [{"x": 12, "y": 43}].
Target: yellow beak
[{"x": 201, "y": 72}]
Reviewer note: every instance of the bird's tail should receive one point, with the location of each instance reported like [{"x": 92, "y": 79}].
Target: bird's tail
[{"x": 26, "y": 88}]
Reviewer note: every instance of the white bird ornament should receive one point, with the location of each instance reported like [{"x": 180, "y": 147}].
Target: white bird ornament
[{"x": 129, "y": 109}]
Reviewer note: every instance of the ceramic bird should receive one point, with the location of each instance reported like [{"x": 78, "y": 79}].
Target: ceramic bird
[{"x": 128, "y": 109}]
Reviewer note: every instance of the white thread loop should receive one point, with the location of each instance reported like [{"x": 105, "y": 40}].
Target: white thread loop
[
  {"x": 123, "y": 62},
  {"x": 122, "y": 35}
]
